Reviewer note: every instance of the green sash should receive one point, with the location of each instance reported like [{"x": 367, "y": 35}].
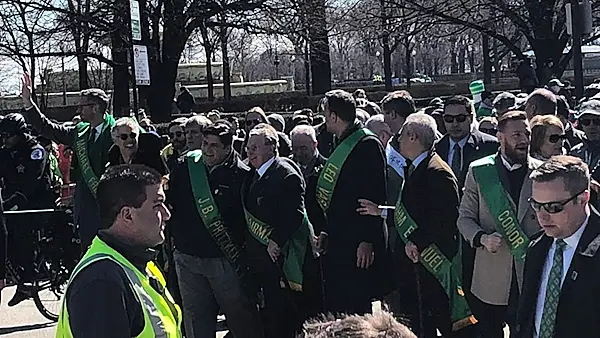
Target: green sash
[
  {"x": 495, "y": 196},
  {"x": 82, "y": 137},
  {"x": 294, "y": 251},
  {"x": 445, "y": 271},
  {"x": 208, "y": 210},
  {"x": 331, "y": 170}
]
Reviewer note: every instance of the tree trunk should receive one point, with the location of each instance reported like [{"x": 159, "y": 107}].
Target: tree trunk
[
  {"x": 387, "y": 65},
  {"x": 462, "y": 52},
  {"x": 208, "y": 53},
  {"x": 307, "y": 69},
  {"x": 487, "y": 66},
  {"x": 225, "y": 57},
  {"x": 407, "y": 51},
  {"x": 454, "y": 65},
  {"x": 119, "y": 55},
  {"x": 319, "y": 49}
]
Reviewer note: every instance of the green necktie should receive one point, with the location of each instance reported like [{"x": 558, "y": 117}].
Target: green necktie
[
  {"x": 456, "y": 160},
  {"x": 552, "y": 292}
]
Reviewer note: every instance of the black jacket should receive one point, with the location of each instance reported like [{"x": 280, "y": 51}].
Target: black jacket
[
  {"x": 326, "y": 140},
  {"x": 3, "y": 243},
  {"x": 574, "y": 136},
  {"x": 186, "y": 227},
  {"x": 578, "y": 307},
  {"x": 148, "y": 154},
  {"x": 478, "y": 145},
  {"x": 104, "y": 287},
  {"x": 311, "y": 176}
]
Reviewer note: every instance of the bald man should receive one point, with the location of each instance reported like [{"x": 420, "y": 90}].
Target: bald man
[
  {"x": 540, "y": 102},
  {"x": 377, "y": 125}
]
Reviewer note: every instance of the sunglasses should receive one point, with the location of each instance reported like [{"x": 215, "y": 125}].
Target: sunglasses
[
  {"x": 552, "y": 207},
  {"x": 176, "y": 134},
  {"x": 124, "y": 137},
  {"x": 490, "y": 131},
  {"x": 556, "y": 137},
  {"x": 457, "y": 118},
  {"x": 252, "y": 122},
  {"x": 587, "y": 122}
]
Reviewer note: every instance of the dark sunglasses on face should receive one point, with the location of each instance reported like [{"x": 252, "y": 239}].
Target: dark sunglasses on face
[
  {"x": 587, "y": 122},
  {"x": 552, "y": 207},
  {"x": 490, "y": 131},
  {"x": 252, "y": 122},
  {"x": 176, "y": 134},
  {"x": 556, "y": 137},
  {"x": 124, "y": 137},
  {"x": 458, "y": 118}
]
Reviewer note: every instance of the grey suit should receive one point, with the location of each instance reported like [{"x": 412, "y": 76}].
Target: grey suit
[{"x": 492, "y": 273}]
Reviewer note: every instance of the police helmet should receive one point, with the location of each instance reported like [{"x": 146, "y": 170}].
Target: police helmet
[{"x": 13, "y": 123}]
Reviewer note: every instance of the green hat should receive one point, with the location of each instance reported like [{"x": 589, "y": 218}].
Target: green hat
[{"x": 477, "y": 87}]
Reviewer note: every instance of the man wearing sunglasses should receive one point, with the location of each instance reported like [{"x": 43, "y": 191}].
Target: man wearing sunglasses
[
  {"x": 91, "y": 141},
  {"x": 496, "y": 219},
  {"x": 560, "y": 289},
  {"x": 177, "y": 143},
  {"x": 589, "y": 149}
]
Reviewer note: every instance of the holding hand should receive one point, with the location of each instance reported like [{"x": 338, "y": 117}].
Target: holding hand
[
  {"x": 273, "y": 250},
  {"x": 322, "y": 242},
  {"x": 412, "y": 252},
  {"x": 491, "y": 242},
  {"x": 364, "y": 255},
  {"x": 368, "y": 208}
]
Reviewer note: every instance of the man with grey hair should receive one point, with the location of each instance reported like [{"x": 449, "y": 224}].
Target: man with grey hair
[
  {"x": 194, "y": 127},
  {"x": 91, "y": 141},
  {"x": 377, "y": 125},
  {"x": 427, "y": 236}
]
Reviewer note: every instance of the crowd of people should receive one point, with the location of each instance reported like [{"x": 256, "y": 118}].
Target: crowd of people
[{"x": 463, "y": 217}]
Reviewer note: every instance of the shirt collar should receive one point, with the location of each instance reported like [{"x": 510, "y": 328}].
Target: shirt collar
[
  {"x": 573, "y": 240},
  {"x": 461, "y": 143},
  {"x": 420, "y": 159},
  {"x": 510, "y": 167},
  {"x": 99, "y": 128},
  {"x": 263, "y": 168}
]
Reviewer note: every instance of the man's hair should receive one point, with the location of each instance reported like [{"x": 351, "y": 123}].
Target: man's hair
[
  {"x": 359, "y": 94},
  {"x": 123, "y": 186},
  {"x": 341, "y": 103},
  {"x": 400, "y": 102},
  {"x": 98, "y": 96},
  {"x": 463, "y": 101},
  {"x": 573, "y": 171},
  {"x": 362, "y": 115},
  {"x": 539, "y": 128},
  {"x": 423, "y": 126},
  {"x": 562, "y": 107},
  {"x": 259, "y": 111},
  {"x": 124, "y": 122},
  {"x": 304, "y": 130},
  {"x": 221, "y": 129},
  {"x": 544, "y": 101},
  {"x": 515, "y": 115},
  {"x": 200, "y": 120},
  {"x": 374, "y": 121},
  {"x": 270, "y": 134},
  {"x": 179, "y": 122},
  {"x": 377, "y": 325}
]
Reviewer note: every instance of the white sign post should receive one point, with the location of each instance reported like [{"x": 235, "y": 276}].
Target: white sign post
[
  {"x": 141, "y": 66},
  {"x": 136, "y": 24}
]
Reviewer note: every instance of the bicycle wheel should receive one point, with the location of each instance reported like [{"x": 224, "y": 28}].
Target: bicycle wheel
[{"x": 49, "y": 288}]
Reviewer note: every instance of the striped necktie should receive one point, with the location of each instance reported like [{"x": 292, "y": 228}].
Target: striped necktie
[{"x": 552, "y": 292}]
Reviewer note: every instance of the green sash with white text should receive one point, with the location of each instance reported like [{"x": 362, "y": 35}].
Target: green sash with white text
[
  {"x": 208, "y": 210},
  {"x": 497, "y": 200},
  {"x": 446, "y": 271},
  {"x": 82, "y": 137},
  {"x": 294, "y": 251},
  {"x": 331, "y": 171}
]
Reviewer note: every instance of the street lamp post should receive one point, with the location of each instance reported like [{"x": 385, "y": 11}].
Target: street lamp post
[{"x": 576, "y": 48}]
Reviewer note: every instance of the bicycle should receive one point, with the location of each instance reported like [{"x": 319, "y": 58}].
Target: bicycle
[{"x": 56, "y": 253}]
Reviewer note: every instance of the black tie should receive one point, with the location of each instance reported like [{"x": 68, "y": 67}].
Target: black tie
[
  {"x": 457, "y": 160},
  {"x": 408, "y": 169},
  {"x": 93, "y": 135}
]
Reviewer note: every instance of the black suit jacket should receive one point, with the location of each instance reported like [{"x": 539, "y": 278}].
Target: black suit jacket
[
  {"x": 478, "y": 145},
  {"x": 579, "y": 303},
  {"x": 311, "y": 176}
]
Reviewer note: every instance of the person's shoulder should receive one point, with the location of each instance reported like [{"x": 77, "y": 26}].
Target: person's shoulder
[
  {"x": 240, "y": 165},
  {"x": 484, "y": 138},
  {"x": 105, "y": 271},
  {"x": 534, "y": 163},
  {"x": 37, "y": 152}
]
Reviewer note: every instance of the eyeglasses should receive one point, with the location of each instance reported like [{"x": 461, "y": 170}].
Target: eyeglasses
[
  {"x": 176, "y": 134},
  {"x": 490, "y": 131},
  {"x": 552, "y": 207},
  {"x": 556, "y": 137},
  {"x": 252, "y": 122},
  {"x": 452, "y": 118},
  {"x": 124, "y": 137},
  {"x": 587, "y": 122}
]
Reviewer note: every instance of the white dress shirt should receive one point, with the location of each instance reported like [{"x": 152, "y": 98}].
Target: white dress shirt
[
  {"x": 461, "y": 144},
  {"x": 510, "y": 167},
  {"x": 419, "y": 159},
  {"x": 99, "y": 129},
  {"x": 263, "y": 168},
  {"x": 568, "y": 253}
]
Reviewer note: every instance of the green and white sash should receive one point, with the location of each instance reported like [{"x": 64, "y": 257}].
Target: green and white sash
[
  {"x": 497, "y": 200},
  {"x": 208, "y": 209},
  {"x": 446, "y": 271},
  {"x": 294, "y": 251},
  {"x": 82, "y": 136},
  {"x": 331, "y": 171}
]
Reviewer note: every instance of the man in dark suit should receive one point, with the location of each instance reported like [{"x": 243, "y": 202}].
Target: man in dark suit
[
  {"x": 427, "y": 175},
  {"x": 560, "y": 289},
  {"x": 463, "y": 144},
  {"x": 354, "y": 244},
  {"x": 273, "y": 198}
]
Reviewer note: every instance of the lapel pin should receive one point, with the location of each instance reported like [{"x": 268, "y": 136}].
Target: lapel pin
[{"x": 574, "y": 275}]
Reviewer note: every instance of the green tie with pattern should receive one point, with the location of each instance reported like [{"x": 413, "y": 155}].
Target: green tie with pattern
[{"x": 552, "y": 292}]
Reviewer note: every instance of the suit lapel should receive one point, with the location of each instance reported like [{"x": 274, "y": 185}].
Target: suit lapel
[
  {"x": 442, "y": 148},
  {"x": 504, "y": 180},
  {"x": 525, "y": 193}
]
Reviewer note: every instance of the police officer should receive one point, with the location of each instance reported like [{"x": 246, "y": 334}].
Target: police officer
[
  {"x": 117, "y": 278},
  {"x": 26, "y": 180}
]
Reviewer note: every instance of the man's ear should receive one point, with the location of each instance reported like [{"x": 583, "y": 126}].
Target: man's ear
[{"x": 126, "y": 215}]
